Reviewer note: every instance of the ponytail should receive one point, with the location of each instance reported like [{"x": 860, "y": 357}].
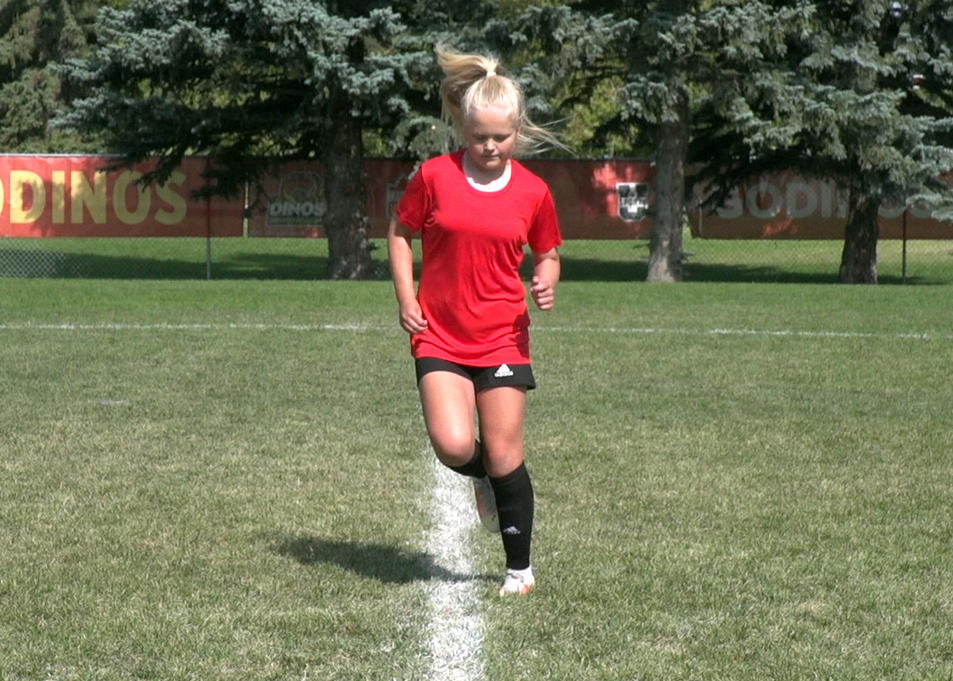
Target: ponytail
[{"x": 473, "y": 81}]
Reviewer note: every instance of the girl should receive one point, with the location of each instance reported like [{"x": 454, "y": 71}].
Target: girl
[{"x": 475, "y": 209}]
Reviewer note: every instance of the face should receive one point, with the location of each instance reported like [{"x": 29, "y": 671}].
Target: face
[{"x": 490, "y": 135}]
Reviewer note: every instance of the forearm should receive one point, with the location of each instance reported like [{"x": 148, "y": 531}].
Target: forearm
[
  {"x": 546, "y": 272},
  {"x": 547, "y": 268},
  {"x": 401, "y": 256}
]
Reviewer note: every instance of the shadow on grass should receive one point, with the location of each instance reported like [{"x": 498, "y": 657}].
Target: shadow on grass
[
  {"x": 636, "y": 268},
  {"x": 595, "y": 270},
  {"x": 384, "y": 563},
  {"x": 740, "y": 274},
  {"x": 24, "y": 263}
]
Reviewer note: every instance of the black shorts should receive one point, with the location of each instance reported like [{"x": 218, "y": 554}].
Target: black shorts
[{"x": 483, "y": 377}]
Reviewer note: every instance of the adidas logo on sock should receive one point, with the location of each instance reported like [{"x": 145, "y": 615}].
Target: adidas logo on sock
[
  {"x": 503, "y": 372},
  {"x": 511, "y": 530}
]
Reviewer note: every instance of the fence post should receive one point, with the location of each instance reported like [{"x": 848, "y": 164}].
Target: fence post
[
  {"x": 903, "y": 257},
  {"x": 208, "y": 226}
]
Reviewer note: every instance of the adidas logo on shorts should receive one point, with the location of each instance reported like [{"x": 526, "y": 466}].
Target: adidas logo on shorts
[{"x": 503, "y": 372}]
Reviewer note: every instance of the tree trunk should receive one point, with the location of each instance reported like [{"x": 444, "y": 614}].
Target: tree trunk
[
  {"x": 665, "y": 252},
  {"x": 349, "y": 253},
  {"x": 859, "y": 258}
]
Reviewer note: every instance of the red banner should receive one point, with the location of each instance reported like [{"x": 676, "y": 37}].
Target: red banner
[
  {"x": 595, "y": 199},
  {"x": 72, "y": 196},
  {"x": 786, "y": 206},
  {"x": 44, "y": 196}
]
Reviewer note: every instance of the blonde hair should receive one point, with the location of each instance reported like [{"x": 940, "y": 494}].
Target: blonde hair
[{"x": 472, "y": 82}]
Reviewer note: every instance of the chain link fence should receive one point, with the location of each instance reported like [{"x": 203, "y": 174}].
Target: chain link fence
[{"x": 914, "y": 262}]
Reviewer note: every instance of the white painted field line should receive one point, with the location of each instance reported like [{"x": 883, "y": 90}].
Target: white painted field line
[
  {"x": 376, "y": 328},
  {"x": 795, "y": 333},
  {"x": 162, "y": 326},
  {"x": 455, "y": 627}
]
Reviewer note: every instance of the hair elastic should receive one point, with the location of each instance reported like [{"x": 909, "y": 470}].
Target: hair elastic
[{"x": 490, "y": 72}]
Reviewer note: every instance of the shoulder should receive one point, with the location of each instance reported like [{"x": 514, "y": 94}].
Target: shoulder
[
  {"x": 529, "y": 180},
  {"x": 531, "y": 186},
  {"x": 444, "y": 163}
]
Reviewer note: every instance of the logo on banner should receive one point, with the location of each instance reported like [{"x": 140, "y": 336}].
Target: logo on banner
[
  {"x": 300, "y": 201},
  {"x": 633, "y": 199}
]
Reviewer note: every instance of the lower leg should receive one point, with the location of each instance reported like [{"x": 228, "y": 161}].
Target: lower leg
[
  {"x": 502, "y": 412},
  {"x": 515, "y": 507}
]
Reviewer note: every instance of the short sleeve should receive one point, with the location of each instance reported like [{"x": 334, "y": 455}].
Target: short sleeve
[
  {"x": 544, "y": 233},
  {"x": 414, "y": 205}
]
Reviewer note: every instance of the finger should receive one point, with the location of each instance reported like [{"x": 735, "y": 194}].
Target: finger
[
  {"x": 414, "y": 324},
  {"x": 543, "y": 293},
  {"x": 545, "y": 296}
]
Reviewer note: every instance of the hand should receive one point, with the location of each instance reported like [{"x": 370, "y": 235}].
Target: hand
[
  {"x": 411, "y": 318},
  {"x": 544, "y": 294}
]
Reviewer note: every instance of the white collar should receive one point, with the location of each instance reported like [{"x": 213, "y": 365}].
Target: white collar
[{"x": 494, "y": 186}]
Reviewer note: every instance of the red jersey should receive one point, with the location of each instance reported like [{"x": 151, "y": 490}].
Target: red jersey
[{"x": 470, "y": 290}]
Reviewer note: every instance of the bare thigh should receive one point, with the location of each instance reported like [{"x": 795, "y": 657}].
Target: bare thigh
[{"x": 449, "y": 406}]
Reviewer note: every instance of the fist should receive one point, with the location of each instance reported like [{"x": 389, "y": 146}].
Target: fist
[{"x": 544, "y": 295}]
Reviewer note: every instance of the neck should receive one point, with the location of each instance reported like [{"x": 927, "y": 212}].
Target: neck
[{"x": 483, "y": 179}]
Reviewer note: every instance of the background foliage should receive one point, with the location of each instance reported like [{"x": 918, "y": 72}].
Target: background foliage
[
  {"x": 36, "y": 36},
  {"x": 858, "y": 91}
]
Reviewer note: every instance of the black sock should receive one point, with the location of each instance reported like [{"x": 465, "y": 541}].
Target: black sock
[
  {"x": 514, "y": 504},
  {"x": 474, "y": 467}
]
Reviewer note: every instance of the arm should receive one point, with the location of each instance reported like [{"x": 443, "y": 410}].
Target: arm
[
  {"x": 401, "y": 257},
  {"x": 545, "y": 278}
]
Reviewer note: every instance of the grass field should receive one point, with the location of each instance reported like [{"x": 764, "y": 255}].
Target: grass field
[{"x": 230, "y": 480}]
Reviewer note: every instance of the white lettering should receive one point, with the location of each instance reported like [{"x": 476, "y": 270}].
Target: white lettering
[
  {"x": 753, "y": 201},
  {"x": 801, "y": 201},
  {"x": 297, "y": 209},
  {"x": 732, "y": 208}
]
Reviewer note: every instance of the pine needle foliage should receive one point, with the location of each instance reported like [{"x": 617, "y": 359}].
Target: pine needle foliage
[
  {"x": 857, "y": 92},
  {"x": 34, "y": 36},
  {"x": 249, "y": 83},
  {"x": 238, "y": 78},
  {"x": 859, "y": 95}
]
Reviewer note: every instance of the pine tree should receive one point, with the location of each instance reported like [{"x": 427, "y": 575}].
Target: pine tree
[
  {"x": 660, "y": 58},
  {"x": 860, "y": 95},
  {"x": 34, "y": 36},
  {"x": 858, "y": 92},
  {"x": 252, "y": 82}
]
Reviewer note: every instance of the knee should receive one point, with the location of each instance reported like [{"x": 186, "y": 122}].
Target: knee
[
  {"x": 501, "y": 463},
  {"x": 453, "y": 449}
]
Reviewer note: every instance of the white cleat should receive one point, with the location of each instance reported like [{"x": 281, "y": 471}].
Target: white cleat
[
  {"x": 486, "y": 504},
  {"x": 517, "y": 583}
]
